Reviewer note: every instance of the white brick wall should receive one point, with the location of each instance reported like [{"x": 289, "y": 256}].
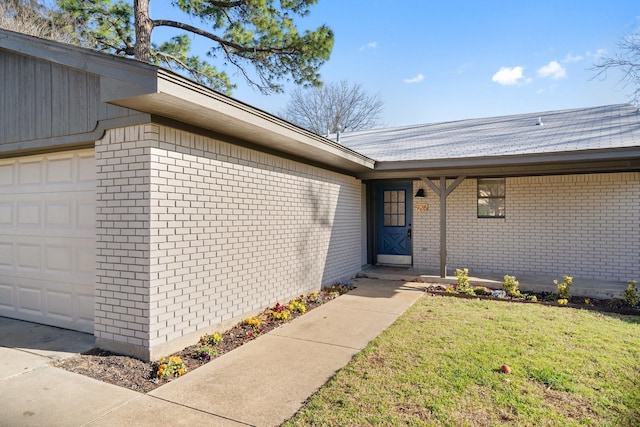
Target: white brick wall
[
  {"x": 228, "y": 231},
  {"x": 583, "y": 225},
  {"x": 122, "y": 246}
]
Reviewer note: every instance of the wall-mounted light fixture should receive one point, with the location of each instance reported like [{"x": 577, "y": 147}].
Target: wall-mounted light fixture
[{"x": 420, "y": 193}]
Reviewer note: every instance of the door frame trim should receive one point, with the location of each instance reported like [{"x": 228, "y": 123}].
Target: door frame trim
[{"x": 372, "y": 231}]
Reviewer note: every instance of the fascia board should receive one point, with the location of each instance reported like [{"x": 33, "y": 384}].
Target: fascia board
[
  {"x": 180, "y": 99},
  {"x": 515, "y": 160}
]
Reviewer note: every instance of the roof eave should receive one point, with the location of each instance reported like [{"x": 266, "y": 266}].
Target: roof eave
[
  {"x": 587, "y": 161},
  {"x": 180, "y": 99}
]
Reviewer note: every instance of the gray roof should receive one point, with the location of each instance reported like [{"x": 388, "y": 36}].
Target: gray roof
[{"x": 597, "y": 128}]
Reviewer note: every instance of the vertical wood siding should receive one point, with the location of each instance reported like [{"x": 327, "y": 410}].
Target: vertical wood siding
[{"x": 41, "y": 100}]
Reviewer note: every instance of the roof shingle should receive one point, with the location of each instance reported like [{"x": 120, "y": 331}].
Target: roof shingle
[{"x": 597, "y": 128}]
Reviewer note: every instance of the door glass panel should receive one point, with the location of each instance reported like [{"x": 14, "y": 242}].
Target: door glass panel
[{"x": 394, "y": 208}]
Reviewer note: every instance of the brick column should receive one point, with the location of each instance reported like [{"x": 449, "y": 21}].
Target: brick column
[{"x": 122, "y": 247}]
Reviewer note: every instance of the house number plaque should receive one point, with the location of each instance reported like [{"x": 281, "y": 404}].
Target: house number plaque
[{"x": 422, "y": 207}]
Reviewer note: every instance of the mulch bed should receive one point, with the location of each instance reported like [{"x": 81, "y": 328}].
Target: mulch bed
[
  {"x": 615, "y": 305},
  {"x": 140, "y": 376}
]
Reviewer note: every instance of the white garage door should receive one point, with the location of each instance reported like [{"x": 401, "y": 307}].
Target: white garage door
[{"x": 47, "y": 238}]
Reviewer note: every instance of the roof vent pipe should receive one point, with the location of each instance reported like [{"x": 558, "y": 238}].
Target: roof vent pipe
[{"x": 540, "y": 122}]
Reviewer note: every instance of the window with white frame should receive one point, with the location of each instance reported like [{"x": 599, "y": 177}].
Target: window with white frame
[{"x": 491, "y": 197}]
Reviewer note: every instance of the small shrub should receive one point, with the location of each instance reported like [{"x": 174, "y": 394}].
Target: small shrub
[
  {"x": 204, "y": 353},
  {"x": 315, "y": 298},
  {"x": 463, "y": 282},
  {"x": 531, "y": 298},
  {"x": 213, "y": 339},
  {"x": 171, "y": 367},
  {"x": 252, "y": 322},
  {"x": 498, "y": 294},
  {"x": 563, "y": 301},
  {"x": 339, "y": 287},
  {"x": 631, "y": 294},
  {"x": 481, "y": 290},
  {"x": 564, "y": 288},
  {"x": 511, "y": 286},
  {"x": 280, "y": 312},
  {"x": 297, "y": 306},
  {"x": 617, "y": 303}
]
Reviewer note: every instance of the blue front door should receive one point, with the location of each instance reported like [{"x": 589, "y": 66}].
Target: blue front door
[{"x": 393, "y": 223}]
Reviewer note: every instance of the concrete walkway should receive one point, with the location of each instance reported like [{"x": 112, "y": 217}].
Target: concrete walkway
[{"x": 262, "y": 383}]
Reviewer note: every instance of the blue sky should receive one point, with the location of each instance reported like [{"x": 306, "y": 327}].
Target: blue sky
[{"x": 433, "y": 61}]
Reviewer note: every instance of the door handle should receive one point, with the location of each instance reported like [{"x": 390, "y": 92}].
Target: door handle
[{"x": 409, "y": 233}]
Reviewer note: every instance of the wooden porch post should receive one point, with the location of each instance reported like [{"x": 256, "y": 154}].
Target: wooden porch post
[{"x": 443, "y": 192}]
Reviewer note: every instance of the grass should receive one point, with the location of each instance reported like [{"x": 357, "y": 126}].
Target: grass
[{"x": 438, "y": 365}]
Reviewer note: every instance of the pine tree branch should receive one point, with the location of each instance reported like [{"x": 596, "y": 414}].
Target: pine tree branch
[{"x": 235, "y": 46}]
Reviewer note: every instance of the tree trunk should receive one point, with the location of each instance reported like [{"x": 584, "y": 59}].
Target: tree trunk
[{"x": 144, "y": 25}]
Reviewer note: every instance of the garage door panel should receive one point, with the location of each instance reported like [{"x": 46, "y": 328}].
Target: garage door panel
[
  {"x": 59, "y": 171},
  {"x": 7, "y": 299},
  {"x": 86, "y": 215},
  {"x": 6, "y": 256},
  {"x": 28, "y": 214},
  {"x": 59, "y": 305},
  {"x": 85, "y": 263},
  {"x": 47, "y": 239},
  {"x": 86, "y": 168},
  {"x": 7, "y": 172},
  {"x": 59, "y": 260},
  {"x": 29, "y": 172},
  {"x": 30, "y": 297},
  {"x": 85, "y": 311},
  {"x": 59, "y": 214},
  {"x": 73, "y": 219},
  {"x": 6, "y": 214},
  {"x": 29, "y": 258}
]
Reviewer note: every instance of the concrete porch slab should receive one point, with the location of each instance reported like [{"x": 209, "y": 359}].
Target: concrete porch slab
[
  {"x": 382, "y": 296},
  {"x": 335, "y": 326}
]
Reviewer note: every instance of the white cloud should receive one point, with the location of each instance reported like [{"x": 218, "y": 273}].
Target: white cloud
[
  {"x": 597, "y": 54},
  {"x": 463, "y": 67},
  {"x": 415, "y": 79},
  {"x": 371, "y": 45},
  {"x": 571, "y": 58},
  {"x": 510, "y": 76},
  {"x": 552, "y": 70}
]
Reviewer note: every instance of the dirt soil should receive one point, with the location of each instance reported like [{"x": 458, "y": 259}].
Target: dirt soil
[
  {"x": 140, "y": 376},
  {"x": 615, "y": 305}
]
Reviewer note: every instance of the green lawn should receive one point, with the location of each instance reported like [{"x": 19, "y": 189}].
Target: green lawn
[{"x": 438, "y": 365}]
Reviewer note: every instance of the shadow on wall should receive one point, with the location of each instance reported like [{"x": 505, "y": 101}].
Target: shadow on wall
[{"x": 342, "y": 216}]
